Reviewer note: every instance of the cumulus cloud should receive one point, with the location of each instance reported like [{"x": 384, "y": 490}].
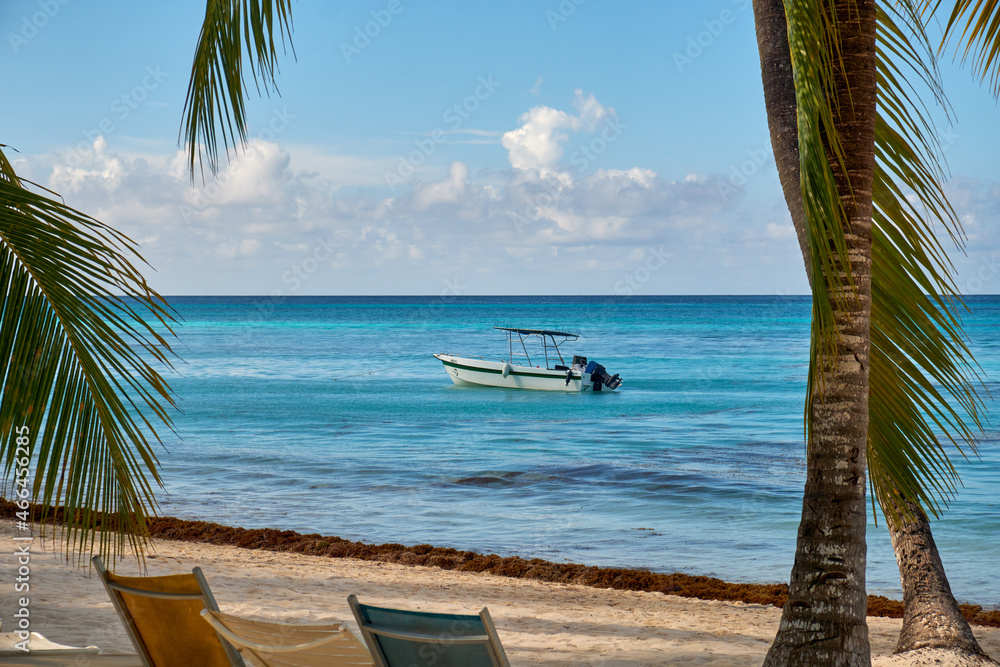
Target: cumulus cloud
[
  {"x": 257, "y": 177},
  {"x": 591, "y": 112},
  {"x": 538, "y": 142},
  {"x": 275, "y": 221},
  {"x": 447, "y": 191}
]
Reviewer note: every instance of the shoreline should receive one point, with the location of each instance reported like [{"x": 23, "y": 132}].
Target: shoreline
[
  {"x": 539, "y": 623},
  {"x": 515, "y": 567}
]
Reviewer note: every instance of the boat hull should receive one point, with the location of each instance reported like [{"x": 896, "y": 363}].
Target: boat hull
[{"x": 483, "y": 372}]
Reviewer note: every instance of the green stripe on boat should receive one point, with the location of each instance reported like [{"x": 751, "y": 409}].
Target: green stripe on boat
[{"x": 497, "y": 371}]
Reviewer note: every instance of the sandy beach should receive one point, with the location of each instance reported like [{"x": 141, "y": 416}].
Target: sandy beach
[{"x": 539, "y": 623}]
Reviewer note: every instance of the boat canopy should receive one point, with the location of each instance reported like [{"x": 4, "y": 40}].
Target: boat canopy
[
  {"x": 540, "y": 332},
  {"x": 547, "y": 338}
]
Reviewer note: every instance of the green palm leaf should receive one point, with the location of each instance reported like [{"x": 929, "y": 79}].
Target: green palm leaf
[
  {"x": 979, "y": 22},
  {"x": 811, "y": 23},
  {"x": 80, "y": 339},
  {"x": 216, "y": 92},
  {"x": 923, "y": 377}
]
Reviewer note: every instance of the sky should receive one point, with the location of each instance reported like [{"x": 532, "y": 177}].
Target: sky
[{"x": 447, "y": 148}]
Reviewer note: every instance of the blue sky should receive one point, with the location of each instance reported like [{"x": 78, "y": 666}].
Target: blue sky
[{"x": 573, "y": 147}]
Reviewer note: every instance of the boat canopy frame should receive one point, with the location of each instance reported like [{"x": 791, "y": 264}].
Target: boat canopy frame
[{"x": 547, "y": 338}]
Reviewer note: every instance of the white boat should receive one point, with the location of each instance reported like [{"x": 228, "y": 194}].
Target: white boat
[{"x": 511, "y": 373}]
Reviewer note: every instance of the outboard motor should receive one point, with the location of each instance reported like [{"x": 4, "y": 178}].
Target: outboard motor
[{"x": 601, "y": 378}]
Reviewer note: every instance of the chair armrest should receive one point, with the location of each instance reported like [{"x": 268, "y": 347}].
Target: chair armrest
[
  {"x": 237, "y": 640},
  {"x": 424, "y": 638}
]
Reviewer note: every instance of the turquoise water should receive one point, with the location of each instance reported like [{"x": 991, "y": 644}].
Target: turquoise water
[{"x": 696, "y": 465}]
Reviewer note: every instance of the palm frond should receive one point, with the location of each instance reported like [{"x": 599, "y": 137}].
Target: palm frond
[
  {"x": 216, "y": 92},
  {"x": 923, "y": 376},
  {"x": 979, "y": 23},
  {"x": 81, "y": 337},
  {"x": 6, "y": 168},
  {"x": 811, "y": 23}
]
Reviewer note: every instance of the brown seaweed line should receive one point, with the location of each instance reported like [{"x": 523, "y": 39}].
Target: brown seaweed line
[{"x": 683, "y": 585}]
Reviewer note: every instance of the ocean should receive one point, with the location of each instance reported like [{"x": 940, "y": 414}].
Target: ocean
[{"x": 329, "y": 415}]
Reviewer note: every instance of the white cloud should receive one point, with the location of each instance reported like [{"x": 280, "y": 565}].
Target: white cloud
[
  {"x": 538, "y": 142},
  {"x": 643, "y": 177},
  {"x": 447, "y": 191},
  {"x": 344, "y": 170},
  {"x": 255, "y": 178},
  {"x": 591, "y": 111},
  {"x": 254, "y": 229},
  {"x": 244, "y": 248}
]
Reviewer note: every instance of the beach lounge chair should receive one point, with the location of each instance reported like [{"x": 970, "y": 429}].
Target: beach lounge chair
[
  {"x": 162, "y": 617},
  {"x": 282, "y": 645},
  {"x": 398, "y": 638}
]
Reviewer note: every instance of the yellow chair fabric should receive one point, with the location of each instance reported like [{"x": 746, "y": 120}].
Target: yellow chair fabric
[{"x": 162, "y": 615}]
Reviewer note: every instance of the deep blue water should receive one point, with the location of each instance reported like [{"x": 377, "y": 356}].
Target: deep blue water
[{"x": 696, "y": 465}]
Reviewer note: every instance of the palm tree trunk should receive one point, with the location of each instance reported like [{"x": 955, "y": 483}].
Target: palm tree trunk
[
  {"x": 824, "y": 620},
  {"x": 931, "y": 617},
  {"x": 779, "y": 100}
]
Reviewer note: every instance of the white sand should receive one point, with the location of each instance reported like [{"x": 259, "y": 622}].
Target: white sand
[{"x": 539, "y": 623}]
